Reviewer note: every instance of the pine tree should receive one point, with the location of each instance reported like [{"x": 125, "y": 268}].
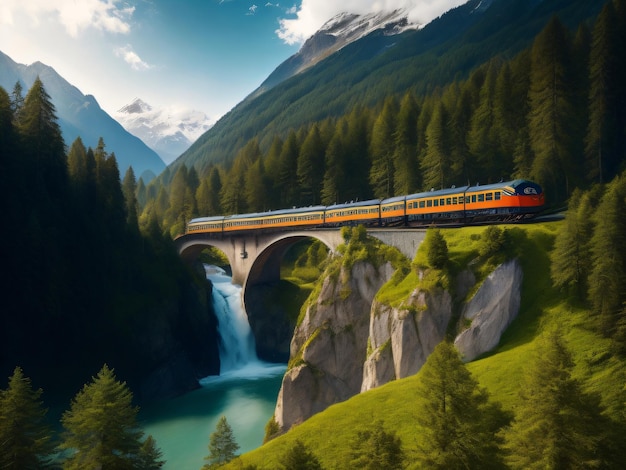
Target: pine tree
[
  {"x": 551, "y": 116},
  {"x": 311, "y": 167},
  {"x": 382, "y": 145},
  {"x": 604, "y": 149},
  {"x": 288, "y": 171},
  {"x": 101, "y": 428},
  {"x": 25, "y": 436},
  {"x": 571, "y": 256},
  {"x": 436, "y": 248},
  {"x": 301, "y": 458},
  {"x": 557, "y": 425},
  {"x": 222, "y": 445},
  {"x": 129, "y": 189},
  {"x": 376, "y": 449},
  {"x": 608, "y": 271},
  {"x": 406, "y": 178},
  {"x": 458, "y": 425},
  {"x": 150, "y": 456},
  {"x": 436, "y": 163}
]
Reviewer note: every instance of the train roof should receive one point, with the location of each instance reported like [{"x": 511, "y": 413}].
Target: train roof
[
  {"x": 294, "y": 210},
  {"x": 213, "y": 218},
  {"x": 370, "y": 202},
  {"x": 438, "y": 192}
]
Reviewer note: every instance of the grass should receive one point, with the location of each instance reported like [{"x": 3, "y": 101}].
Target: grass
[{"x": 328, "y": 434}]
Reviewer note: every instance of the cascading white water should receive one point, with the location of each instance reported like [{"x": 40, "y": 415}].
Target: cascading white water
[{"x": 237, "y": 348}]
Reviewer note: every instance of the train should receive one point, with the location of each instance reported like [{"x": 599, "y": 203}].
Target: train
[{"x": 510, "y": 201}]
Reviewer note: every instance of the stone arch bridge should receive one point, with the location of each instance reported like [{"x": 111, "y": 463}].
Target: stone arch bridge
[{"x": 255, "y": 258}]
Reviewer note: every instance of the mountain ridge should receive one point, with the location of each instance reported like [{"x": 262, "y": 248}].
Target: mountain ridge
[
  {"x": 81, "y": 115},
  {"x": 168, "y": 131}
]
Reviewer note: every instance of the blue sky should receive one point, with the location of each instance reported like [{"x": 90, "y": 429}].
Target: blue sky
[{"x": 201, "y": 54}]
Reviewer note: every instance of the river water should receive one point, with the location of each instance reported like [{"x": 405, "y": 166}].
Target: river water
[{"x": 245, "y": 391}]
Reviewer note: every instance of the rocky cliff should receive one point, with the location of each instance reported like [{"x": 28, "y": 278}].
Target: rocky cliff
[
  {"x": 329, "y": 345},
  {"x": 348, "y": 343}
]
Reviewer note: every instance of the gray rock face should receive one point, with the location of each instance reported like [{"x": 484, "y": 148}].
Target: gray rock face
[
  {"x": 490, "y": 311},
  {"x": 348, "y": 343},
  {"x": 330, "y": 345},
  {"x": 403, "y": 337}
]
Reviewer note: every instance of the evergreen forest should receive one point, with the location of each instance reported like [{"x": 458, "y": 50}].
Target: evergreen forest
[
  {"x": 83, "y": 284},
  {"x": 554, "y": 113}
]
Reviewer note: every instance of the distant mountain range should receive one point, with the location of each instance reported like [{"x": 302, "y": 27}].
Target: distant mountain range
[
  {"x": 81, "y": 115},
  {"x": 169, "y": 131}
]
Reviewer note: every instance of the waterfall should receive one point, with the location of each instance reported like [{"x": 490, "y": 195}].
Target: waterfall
[{"x": 237, "y": 347}]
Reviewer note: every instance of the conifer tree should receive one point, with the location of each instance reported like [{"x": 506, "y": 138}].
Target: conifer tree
[
  {"x": 288, "y": 171},
  {"x": 25, "y": 436},
  {"x": 571, "y": 257},
  {"x": 311, "y": 167},
  {"x": 608, "y": 271},
  {"x": 333, "y": 190},
  {"x": 436, "y": 163},
  {"x": 129, "y": 189},
  {"x": 436, "y": 248},
  {"x": 458, "y": 425},
  {"x": 208, "y": 194},
  {"x": 101, "y": 428},
  {"x": 150, "y": 456},
  {"x": 376, "y": 449},
  {"x": 604, "y": 149},
  {"x": 17, "y": 100},
  {"x": 557, "y": 425},
  {"x": 222, "y": 445},
  {"x": 257, "y": 188},
  {"x": 382, "y": 171},
  {"x": 551, "y": 114},
  {"x": 300, "y": 457},
  {"x": 406, "y": 177}
]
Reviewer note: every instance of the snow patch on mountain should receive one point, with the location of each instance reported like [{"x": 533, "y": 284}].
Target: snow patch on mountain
[{"x": 168, "y": 131}]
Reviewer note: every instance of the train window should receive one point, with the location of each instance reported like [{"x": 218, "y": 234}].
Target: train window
[
  {"x": 441, "y": 201},
  {"x": 429, "y": 203},
  {"x": 497, "y": 194},
  {"x": 422, "y": 204},
  {"x": 489, "y": 197},
  {"x": 436, "y": 202},
  {"x": 455, "y": 200},
  {"x": 448, "y": 201},
  {"x": 473, "y": 197},
  {"x": 481, "y": 198}
]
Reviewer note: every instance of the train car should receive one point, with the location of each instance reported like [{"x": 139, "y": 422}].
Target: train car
[
  {"x": 507, "y": 201},
  {"x": 441, "y": 206},
  {"x": 303, "y": 217},
  {"x": 213, "y": 224},
  {"x": 353, "y": 213},
  {"x": 393, "y": 211}
]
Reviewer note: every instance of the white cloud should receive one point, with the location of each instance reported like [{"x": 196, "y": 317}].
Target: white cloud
[
  {"x": 75, "y": 15},
  {"x": 252, "y": 10},
  {"x": 312, "y": 14},
  {"x": 131, "y": 58}
]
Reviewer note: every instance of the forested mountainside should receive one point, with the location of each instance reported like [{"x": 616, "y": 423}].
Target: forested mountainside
[
  {"x": 379, "y": 65},
  {"x": 554, "y": 112}
]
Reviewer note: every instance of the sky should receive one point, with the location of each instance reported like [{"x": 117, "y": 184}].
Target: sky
[{"x": 206, "y": 55}]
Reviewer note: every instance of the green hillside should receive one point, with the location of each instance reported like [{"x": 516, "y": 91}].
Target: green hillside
[
  {"x": 330, "y": 434},
  {"x": 366, "y": 72}
]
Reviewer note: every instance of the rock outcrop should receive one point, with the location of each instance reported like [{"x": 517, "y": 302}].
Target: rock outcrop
[
  {"x": 490, "y": 311},
  {"x": 348, "y": 343},
  {"x": 403, "y": 337},
  {"x": 329, "y": 346}
]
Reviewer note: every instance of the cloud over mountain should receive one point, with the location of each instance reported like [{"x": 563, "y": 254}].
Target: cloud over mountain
[{"x": 312, "y": 14}]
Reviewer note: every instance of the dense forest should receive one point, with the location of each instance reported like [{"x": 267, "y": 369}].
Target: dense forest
[
  {"x": 84, "y": 285},
  {"x": 555, "y": 113}
]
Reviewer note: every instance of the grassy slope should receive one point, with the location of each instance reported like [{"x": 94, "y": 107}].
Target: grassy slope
[{"x": 328, "y": 434}]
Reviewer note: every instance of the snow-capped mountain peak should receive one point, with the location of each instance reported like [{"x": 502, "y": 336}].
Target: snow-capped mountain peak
[
  {"x": 335, "y": 34},
  {"x": 168, "y": 131}
]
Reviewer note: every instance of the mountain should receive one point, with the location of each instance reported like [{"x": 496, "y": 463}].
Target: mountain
[
  {"x": 167, "y": 131},
  {"x": 81, "y": 115},
  {"x": 336, "y": 33},
  {"x": 366, "y": 71}
]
